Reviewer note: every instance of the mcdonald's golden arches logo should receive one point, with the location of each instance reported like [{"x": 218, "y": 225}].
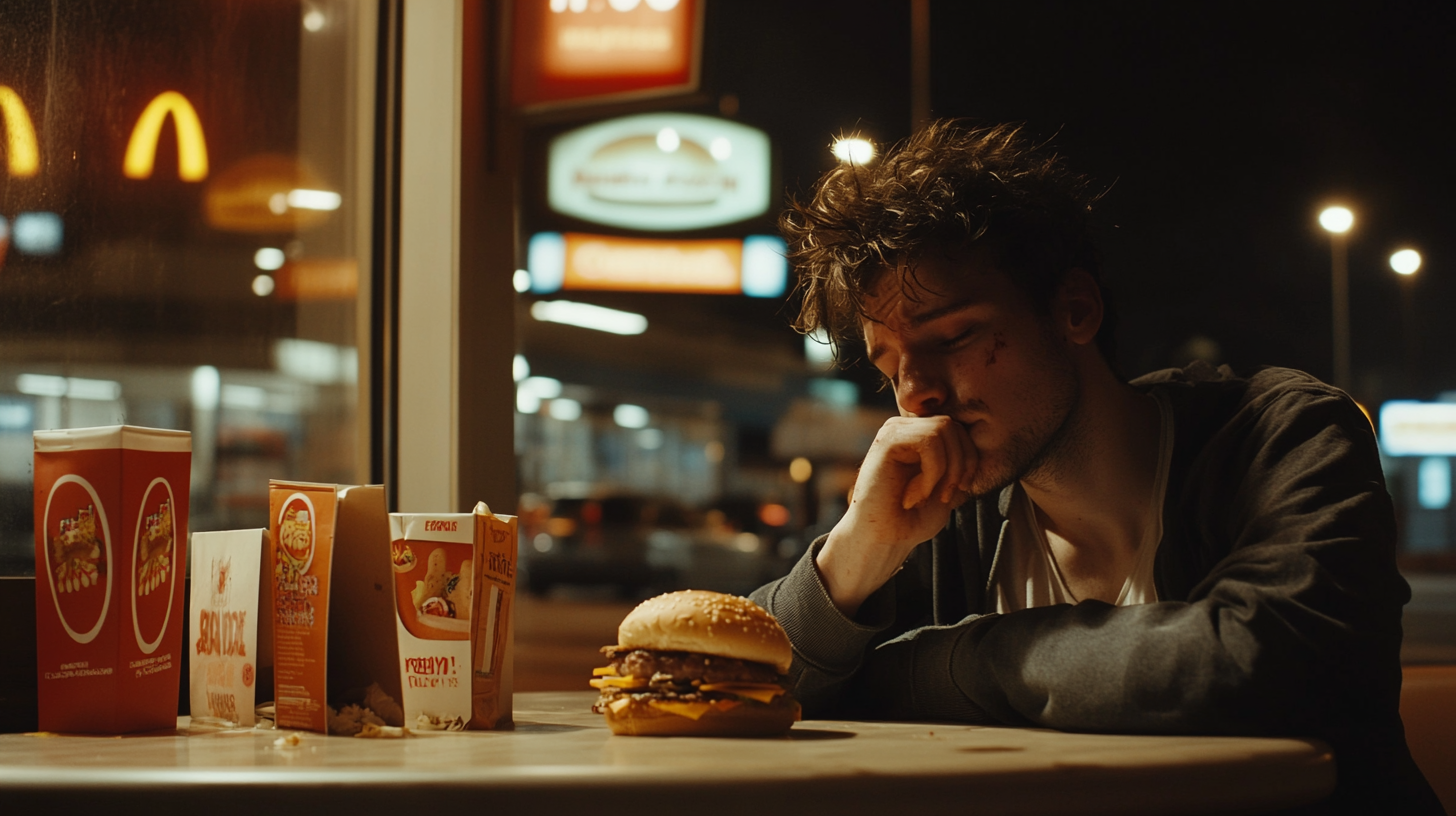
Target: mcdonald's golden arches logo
[
  {"x": 141, "y": 151},
  {"x": 22, "y": 154}
]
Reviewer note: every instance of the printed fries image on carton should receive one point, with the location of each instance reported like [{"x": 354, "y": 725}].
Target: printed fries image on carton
[
  {"x": 154, "y": 549},
  {"x": 76, "y": 558},
  {"x": 451, "y": 645},
  {"x": 110, "y": 529}
]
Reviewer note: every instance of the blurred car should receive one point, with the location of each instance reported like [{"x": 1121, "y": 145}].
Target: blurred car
[
  {"x": 593, "y": 542},
  {"x": 639, "y": 546}
]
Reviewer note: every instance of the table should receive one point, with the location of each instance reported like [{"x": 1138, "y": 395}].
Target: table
[{"x": 561, "y": 758}]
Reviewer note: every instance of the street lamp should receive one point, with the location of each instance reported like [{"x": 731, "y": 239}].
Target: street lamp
[
  {"x": 1405, "y": 263},
  {"x": 853, "y": 150},
  {"x": 1337, "y": 221}
]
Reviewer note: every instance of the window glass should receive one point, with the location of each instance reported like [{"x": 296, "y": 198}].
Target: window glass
[{"x": 182, "y": 213}]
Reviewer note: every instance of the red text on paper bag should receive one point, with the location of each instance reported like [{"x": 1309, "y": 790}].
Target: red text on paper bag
[{"x": 223, "y": 647}]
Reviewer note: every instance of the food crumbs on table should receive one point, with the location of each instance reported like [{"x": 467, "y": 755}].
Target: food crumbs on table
[
  {"x": 288, "y": 741},
  {"x": 372, "y": 731}
]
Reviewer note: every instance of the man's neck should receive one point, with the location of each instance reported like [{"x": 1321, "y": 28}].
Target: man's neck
[{"x": 1093, "y": 496}]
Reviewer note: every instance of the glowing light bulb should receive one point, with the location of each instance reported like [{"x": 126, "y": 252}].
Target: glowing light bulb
[
  {"x": 1405, "y": 262},
  {"x": 1337, "y": 219},
  {"x": 854, "y": 150}
]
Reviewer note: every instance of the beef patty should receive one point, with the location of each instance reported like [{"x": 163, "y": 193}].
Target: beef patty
[
  {"x": 678, "y": 675},
  {"x": 681, "y": 668}
]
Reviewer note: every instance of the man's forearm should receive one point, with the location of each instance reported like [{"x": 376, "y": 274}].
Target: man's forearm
[
  {"x": 829, "y": 646},
  {"x": 851, "y": 574}
]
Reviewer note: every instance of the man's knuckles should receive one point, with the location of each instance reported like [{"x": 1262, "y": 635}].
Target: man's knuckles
[{"x": 913, "y": 432}]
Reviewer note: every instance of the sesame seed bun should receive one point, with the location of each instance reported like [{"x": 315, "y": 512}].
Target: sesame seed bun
[{"x": 708, "y": 623}]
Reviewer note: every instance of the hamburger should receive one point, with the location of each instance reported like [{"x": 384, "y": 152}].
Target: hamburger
[{"x": 697, "y": 663}]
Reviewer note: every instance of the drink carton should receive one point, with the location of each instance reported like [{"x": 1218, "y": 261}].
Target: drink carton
[
  {"x": 110, "y": 553},
  {"x": 332, "y": 598}
]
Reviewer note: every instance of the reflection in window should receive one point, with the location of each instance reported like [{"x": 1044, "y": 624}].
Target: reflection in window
[{"x": 180, "y": 239}]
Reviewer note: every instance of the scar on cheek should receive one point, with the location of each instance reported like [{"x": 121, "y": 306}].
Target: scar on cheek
[{"x": 998, "y": 342}]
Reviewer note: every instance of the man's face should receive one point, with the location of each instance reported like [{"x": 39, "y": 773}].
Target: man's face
[{"x": 961, "y": 340}]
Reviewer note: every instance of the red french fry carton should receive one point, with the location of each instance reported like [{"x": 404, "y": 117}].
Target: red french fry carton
[{"x": 110, "y": 557}]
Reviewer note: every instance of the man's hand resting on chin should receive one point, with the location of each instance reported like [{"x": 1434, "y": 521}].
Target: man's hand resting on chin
[{"x": 917, "y": 471}]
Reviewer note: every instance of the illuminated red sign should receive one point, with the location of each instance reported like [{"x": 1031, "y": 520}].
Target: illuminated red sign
[{"x": 590, "y": 50}]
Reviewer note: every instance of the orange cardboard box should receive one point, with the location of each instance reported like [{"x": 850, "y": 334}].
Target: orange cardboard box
[
  {"x": 110, "y": 556},
  {"x": 332, "y": 600}
]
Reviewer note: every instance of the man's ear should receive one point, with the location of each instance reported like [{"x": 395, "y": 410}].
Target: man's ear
[{"x": 1078, "y": 308}]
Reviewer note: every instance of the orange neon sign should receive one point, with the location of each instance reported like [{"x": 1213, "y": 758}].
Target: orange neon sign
[
  {"x": 22, "y": 152},
  {"x": 141, "y": 151},
  {"x": 704, "y": 266}
]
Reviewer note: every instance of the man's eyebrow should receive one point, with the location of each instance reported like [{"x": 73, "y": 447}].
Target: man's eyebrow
[
  {"x": 950, "y": 308},
  {"x": 873, "y": 353}
]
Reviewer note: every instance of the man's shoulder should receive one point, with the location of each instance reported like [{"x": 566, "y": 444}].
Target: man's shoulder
[
  {"x": 1210, "y": 403},
  {"x": 1200, "y": 388},
  {"x": 1201, "y": 376}
]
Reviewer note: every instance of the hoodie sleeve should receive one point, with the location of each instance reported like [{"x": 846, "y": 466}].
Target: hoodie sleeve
[{"x": 829, "y": 648}]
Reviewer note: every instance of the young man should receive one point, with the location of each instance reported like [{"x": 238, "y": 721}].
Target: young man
[{"x": 1034, "y": 541}]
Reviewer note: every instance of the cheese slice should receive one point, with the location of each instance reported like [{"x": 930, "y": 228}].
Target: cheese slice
[
  {"x": 692, "y": 711},
  {"x": 604, "y": 670},
  {"x": 618, "y": 682},
  {"x": 726, "y": 705},
  {"x": 741, "y": 685},
  {"x": 762, "y": 692}
]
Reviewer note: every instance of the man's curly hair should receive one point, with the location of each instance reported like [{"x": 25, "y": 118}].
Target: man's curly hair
[{"x": 944, "y": 188}]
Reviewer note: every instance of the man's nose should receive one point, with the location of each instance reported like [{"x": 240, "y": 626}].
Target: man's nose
[{"x": 921, "y": 390}]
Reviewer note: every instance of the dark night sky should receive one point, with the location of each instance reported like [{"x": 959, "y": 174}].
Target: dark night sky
[{"x": 1221, "y": 129}]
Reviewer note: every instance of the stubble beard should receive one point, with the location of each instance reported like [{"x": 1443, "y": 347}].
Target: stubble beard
[{"x": 1037, "y": 452}]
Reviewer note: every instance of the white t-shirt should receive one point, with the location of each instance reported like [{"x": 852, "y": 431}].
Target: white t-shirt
[{"x": 1027, "y": 574}]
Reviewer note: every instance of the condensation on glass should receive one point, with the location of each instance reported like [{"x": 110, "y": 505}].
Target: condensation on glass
[{"x": 185, "y": 203}]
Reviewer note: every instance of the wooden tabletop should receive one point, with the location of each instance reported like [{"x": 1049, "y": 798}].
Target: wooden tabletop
[{"x": 561, "y": 758}]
